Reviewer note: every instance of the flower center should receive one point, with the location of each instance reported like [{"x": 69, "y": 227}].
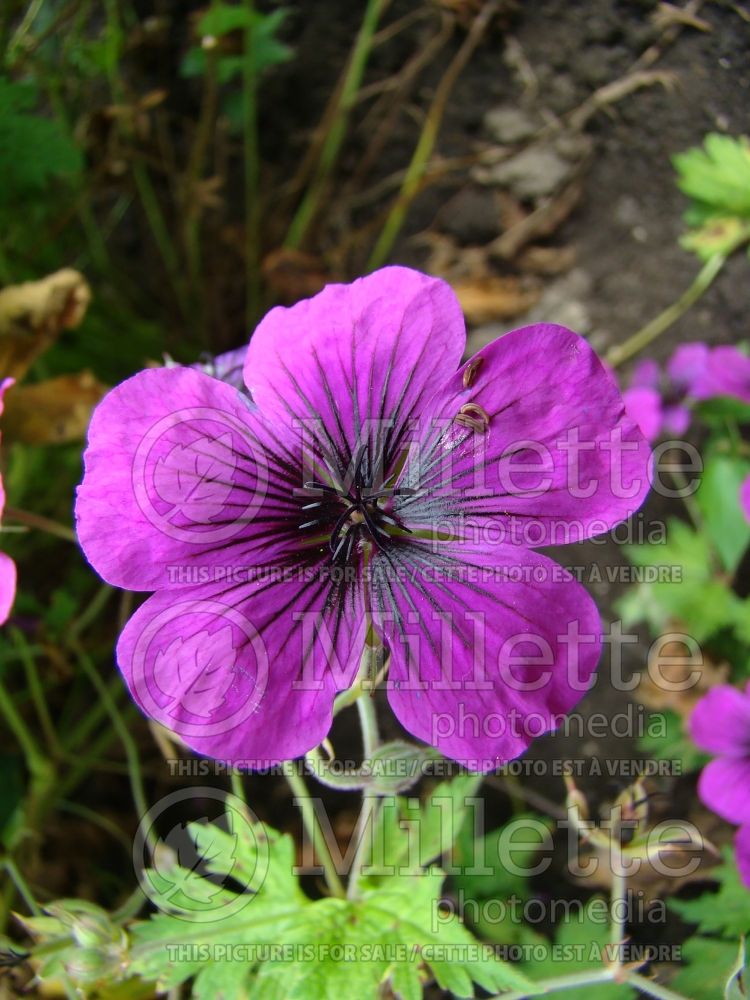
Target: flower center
[{"x": 355, "y": 514}]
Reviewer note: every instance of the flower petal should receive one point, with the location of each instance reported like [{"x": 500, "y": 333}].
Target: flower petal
[
  {"x": 7, "y": 586},
  {"x": 182, "y": 478},
  {"x": 686, "y": 364},
  {"x": 490, "y": 647},
  {"x": 720, "y": 722},
  {"x": 533, "y": 434},
  {"x": 246, "y": 673},
  {"x": 724, "y": 786},
  {"x": 725, "y": 373},
  {"x": 643, "y": 405},
  {"x": 356, "y": 359}
]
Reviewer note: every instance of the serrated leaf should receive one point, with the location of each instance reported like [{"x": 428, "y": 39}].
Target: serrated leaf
[
  {"x": 725, "y": 912},
  {"x": 33, "y": 149},
  {"x": 708, "y": 962},
  {"x": 409, "y": 834},
  {"x": 718, "y": 499},
  {"x": 718, "y": 175},
  {"x": 581, "y": 943},
  {"x": 691, "y": 593}
]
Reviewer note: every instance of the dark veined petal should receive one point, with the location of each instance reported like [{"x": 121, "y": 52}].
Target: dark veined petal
[
  {"x": 357, "y": 362},
  {"x": 182, "y": 478},
  {"x": 244, "y": 672},
  {"x": 532, "y": 433},
  {"x": 490, "y": 646}
]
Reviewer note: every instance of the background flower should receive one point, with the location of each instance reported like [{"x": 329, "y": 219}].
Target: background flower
[
  {"x": 7, "y": 566},
  {"x": 720, "y": 724}
]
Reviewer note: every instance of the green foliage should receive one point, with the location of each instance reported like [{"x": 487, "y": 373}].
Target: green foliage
[
  {"x": 718, "y": 499},
  {"x": 409, "y": 835},
  {"x": 674, "y": 746},
  {"x": 275, "y": 942},
  {"x": 223, "y": 19},
  {"x": 487, "y": 886},
  {"x": 34, "y": 149},
  {"x": 726, "y": 912},
  {"x": 580, "y": 945},
  {"x": 717, "y": 179},
  {"x": 695, "y": 596},
  {"x": 712, "y": 967},
  {"x": 708, "y": 965}
]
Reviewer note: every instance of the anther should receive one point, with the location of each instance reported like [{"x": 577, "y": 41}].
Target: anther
[
  {"x": 470, "y": 372},
  {"x": 473, "y": 415}
]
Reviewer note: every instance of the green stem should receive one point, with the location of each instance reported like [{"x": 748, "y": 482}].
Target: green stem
[
  {"x": 309, "y": 205},
  {"x": 252, "y": 170},
  {"x": 427, "y": 139},
  {"x": 22, "y": 886},
  {"x": 665, "y": 319},
  {"x": 653, "y": 989},
  {"x": 370, "y": 801},
  {"x": 314, "y": 832},
  {"x": 35, "y": 689},
  {"x": 128, "y": 743},
  {"x": 31, "y": 520}
]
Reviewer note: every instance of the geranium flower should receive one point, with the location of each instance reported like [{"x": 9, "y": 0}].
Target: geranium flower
[
  {"x": 370, "y": 488},
  {"x": 657, "y": 402},
  {"x": 720, "y": 724},
  {"x": 7, "y": 566},
  {"x": 726, "y": 372}
]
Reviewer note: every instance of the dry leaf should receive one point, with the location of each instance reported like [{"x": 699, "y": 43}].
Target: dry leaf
[
  {"x": 33, "y": 314},
  {"x": 292, "y": 275},
  {"x": 51, "y": 412},
  {"x": 485, "y": 300},
  {"x": 672, "y": 665}
]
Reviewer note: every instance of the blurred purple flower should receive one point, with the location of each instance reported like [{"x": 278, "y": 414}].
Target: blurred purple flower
[
  {"x": 7, "y": 566},
  {"x": 720, "y": 724},
  {"x": 725, "y": 372},
  {"x": 368, "y": 485},
  {"x": 656, "y": 404},
  {"x": 228, "y": 367}
]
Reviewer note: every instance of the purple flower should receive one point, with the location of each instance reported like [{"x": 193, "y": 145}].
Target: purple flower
[
  {"x": 726, "y": 372},
  {"x": 720, "y": 724},
  {"x": 7, "y": 566},
  {"x": 228, "y": 367},
  {"x": 656, "y": 407},
  {"x": 370, "y": 488}
]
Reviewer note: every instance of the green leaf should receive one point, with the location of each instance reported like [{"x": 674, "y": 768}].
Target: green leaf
[
  {"x": 280, "y": 944},
  {"x": 708, "y": 963},
  {"x": 675, "y": 745},
  {"x": 224, "y": 18},
  {"x": 33, "y": 149},
  {"x": 716, "y": 412},
  {"x": 690, "y": 593},
  {"x": 718, "y": 498},
  {"x": 409, "y": 834},
  {"x": 581, "y": 944},
  {"x": 735, "y": 984},
  {"x": 717, "y": 177},
  {"x": 725, "y": 912}
]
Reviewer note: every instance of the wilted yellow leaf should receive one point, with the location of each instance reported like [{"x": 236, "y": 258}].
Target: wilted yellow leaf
[{"x": 32, "y": 315}]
